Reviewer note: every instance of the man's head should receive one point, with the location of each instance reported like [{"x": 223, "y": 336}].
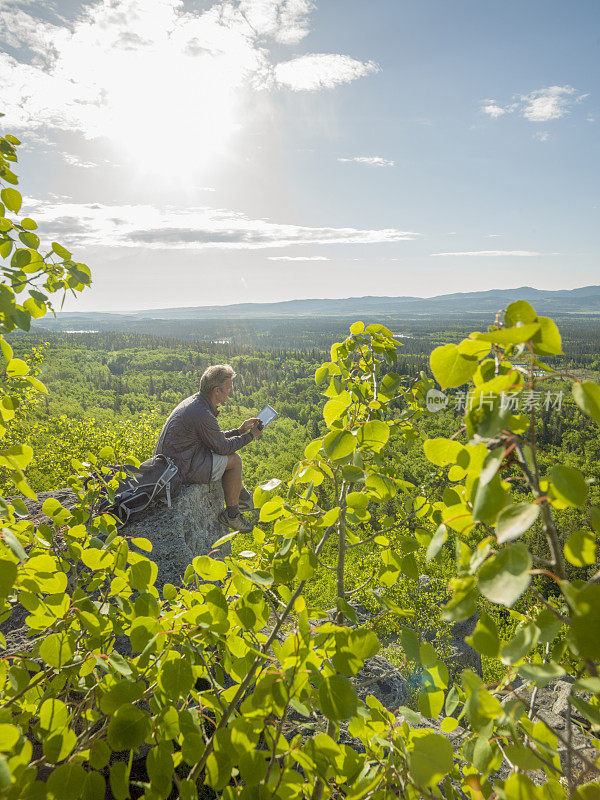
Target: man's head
[{"x": 217, "y": 383}]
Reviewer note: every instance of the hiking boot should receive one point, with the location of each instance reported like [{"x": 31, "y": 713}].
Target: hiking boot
[
  {"x": 238, "y": 523},
  {"x": 246, "y": 502}
]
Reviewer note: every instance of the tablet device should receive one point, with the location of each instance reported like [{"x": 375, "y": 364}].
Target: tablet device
[{"x": 267, "y": 415}]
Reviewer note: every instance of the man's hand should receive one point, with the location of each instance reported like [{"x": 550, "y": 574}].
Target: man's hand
[{"x": 252, "y": 425}]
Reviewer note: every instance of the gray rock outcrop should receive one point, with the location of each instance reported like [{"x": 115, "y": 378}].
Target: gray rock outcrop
[
  {"x": 178, "y": 534},
  {"x": 181, "y": 533},
  {"x": 380, "y": 678},
  {"x": 462, "y": 655}
]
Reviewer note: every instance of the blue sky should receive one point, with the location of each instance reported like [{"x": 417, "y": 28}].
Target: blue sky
[{"x": 198, "y": 153}]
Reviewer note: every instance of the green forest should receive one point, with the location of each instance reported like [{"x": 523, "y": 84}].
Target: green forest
[{"x": 463, "y": 459}]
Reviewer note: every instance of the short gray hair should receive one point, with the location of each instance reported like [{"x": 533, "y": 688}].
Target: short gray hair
[{"x": 215, "y": 376}]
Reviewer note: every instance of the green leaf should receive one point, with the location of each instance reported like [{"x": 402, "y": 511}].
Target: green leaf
[
  {"x": 210, "y": 569},
  {"x": 5, "y": 778},
  {"x": 56, "y": 650},
  {"x": 53, "y": 714},
  {"x": 430, "y": 759},
  {"x": 430, "y": 702},
  {"x": 29, "y": 239},
  {"x": 373, "y": 435},
  {"x": 7, "y": 350},
  {"x": 357, "y": 327},
  {"x": 541, "y": 674},
  {"x": 380, "y": 487},
  {"x": 519, "y": 311},
  {"x": 409, "y": 566},
  {"x": 9, "y": 736},
  {"x": 450, "y": 367},
  {"x": 99, "y": 754},
  {"x": 491, "y": 465},
  {"x": 159, "y": 763},
  {"x": 8, "y": 575},
  {"x": 549, "y": 625},
  {"x": 176, "y": 678},
  {"x": 119, "y": 780},
  {"x": 587, "y": 396},
  {"x": 506, "y": 336},
  {"x": 61, "y": 251},
  {"x": 547, "y": 341},
  {"x": 37, "y": 384},
  {"x": 107, "y": 453},
  {"x": 411, "y": 644},
  {"x": 485, "y": 637},
  {"x": 28, "y": 223},
  {"x": 335, "y": 407},
  {"x": 121, "y": 692},
  {"x": 66, "y": 782},
  {"x": 490, "y": 499},
  {"x": 253, "y": 767},
  {"x": 513, "y": 521},
  {"x": 436, "y": 543},
  {"x": 94, "y": 786},
  {"x": 473, "y": 348},
  {"x": 260, "y": 577},
  {"x": 142, "y": 574},
  {"x": 568, "y": 484},
  {"x": 585, "y": 623},
  {"x": 442, "y": 451},
  {"x": 357, "y": 501},
  {"x": 580, "y": 548},
  {"x": 14, "y": 544},
  {"x": 12, "y": 199},
  {"x": 127, "y": 728},
  {"x": 59, "y": 744},
  {"x": 142, "y": 544},
  {"x": 17, "y": 456},
  {"x": 337, "y": 698},
  {"x": 271, "y": 510},
  {"x": 521, "y": 643},
  {"x": 505, "y": 576},
  {"x": 16, "y": 368},
  {"x": 339, "y": 444},
  {"x": 590, "y": 712}
]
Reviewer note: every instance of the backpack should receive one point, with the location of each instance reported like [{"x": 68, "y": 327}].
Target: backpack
[{"x": 156, "y": 480}]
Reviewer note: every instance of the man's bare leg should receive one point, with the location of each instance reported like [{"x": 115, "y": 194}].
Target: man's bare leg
[{"x": 232, "y": 483}]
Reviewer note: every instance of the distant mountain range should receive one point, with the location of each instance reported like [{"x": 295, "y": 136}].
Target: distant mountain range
[{"x": 585, "y": 300}]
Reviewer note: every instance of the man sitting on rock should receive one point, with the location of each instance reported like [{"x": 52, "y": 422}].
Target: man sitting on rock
[{"x": 191, "y": 436}]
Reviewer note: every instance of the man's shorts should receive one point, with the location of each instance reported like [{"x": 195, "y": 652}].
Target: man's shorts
[{"x": 218, "y": 467}]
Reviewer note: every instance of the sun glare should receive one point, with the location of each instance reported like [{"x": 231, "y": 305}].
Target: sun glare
[{"x": 169, "y": 123}]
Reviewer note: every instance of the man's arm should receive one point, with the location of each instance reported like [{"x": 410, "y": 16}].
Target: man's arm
[
  {"x": 208, "y": 431},
  {"x": 244, "y": 428}
]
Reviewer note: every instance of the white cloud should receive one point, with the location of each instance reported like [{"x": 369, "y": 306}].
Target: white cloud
[
  {"x": 75, "y": 161},
  {"x": 321, "y": 71},
  {"x": 525, "y": 253},
  {"x": 374, "y": 161},
  {"x": 541, "y": 105},
  {"x": 550, "y": 103},
  {"x": 298, "y": 258},
  {"x": 541, "y": 136},
  {"x": 159, "y": 73},
  {"x": 77, "y": 224},
  {"x": 494, "y": 235},
  {"x": 493, "y": 110}
]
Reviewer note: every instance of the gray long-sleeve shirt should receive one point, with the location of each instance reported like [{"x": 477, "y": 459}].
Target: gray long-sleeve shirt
[{"x": 192, "y": 434}]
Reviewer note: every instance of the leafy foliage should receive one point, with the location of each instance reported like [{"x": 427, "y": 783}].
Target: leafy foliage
[{"x": 204, "y": 680}]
